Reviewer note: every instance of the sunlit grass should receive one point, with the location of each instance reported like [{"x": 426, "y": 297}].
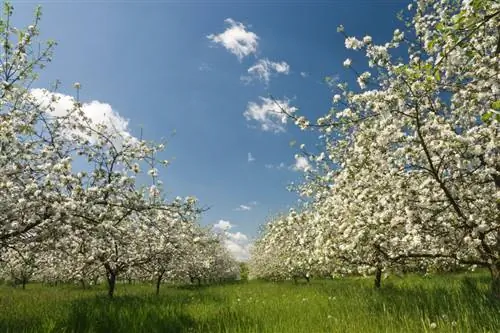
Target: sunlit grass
[{"x": 454, "y": 303}]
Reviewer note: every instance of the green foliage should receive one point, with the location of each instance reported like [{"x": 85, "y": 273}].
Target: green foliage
[
  {"x": 455, "y": 303},
  {"x": 244, "y": 271}
]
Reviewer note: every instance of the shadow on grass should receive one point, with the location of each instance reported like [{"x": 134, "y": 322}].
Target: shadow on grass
[
  {"x": 147, "y": 314},
  {"x": 469, "y": 298},
  {"x": 127, "y": 314}
]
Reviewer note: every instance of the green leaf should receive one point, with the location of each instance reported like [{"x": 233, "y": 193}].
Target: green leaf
[
  {"x": 437, "y": 76},
  {"x": 487, "y": 116},
  {"x": 496, "y": 105}
]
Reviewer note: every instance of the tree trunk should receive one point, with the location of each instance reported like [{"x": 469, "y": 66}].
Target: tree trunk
[
  {"x": 111, "y": 283},
  {"x": 378, "y": 277},
  {"x": 158, "y": 282},
  {"x": 308, "y": 279},
  {"x": 82, "y": 282},
  {"x": 495, "y": 279}
]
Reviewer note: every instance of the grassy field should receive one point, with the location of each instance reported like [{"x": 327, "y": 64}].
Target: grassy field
[{"x": 453, "y": 303}]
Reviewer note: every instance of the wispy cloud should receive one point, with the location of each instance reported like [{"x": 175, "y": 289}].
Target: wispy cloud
[
  {"x": 275, "y": 166},
  {"x": 304, "y": 74},
  {"x": 250, "y": 158},
  {"x": 236, "y": 39},
  {"x": 246, "y": 207},
  {"x": 269, "y": 114},
  {"x": 264, "y": 69},
  {"x": 204, "y": 67}
]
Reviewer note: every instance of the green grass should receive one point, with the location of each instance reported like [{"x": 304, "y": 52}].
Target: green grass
[{"x": 454, "y": 302}]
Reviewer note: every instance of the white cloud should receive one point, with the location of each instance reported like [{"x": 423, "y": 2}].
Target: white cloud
[
  {"x": 269, "y": 114},
  {"x": 204, "y": 67},
  {"x": 250, "y": 158},
  {"x": 97, "y": 112},
  {"x": 246, "y": 207},
  {"x": 275, "y": 166},
  {"x": 222, "y": 225},
  {"x": 264, "y": 69},
  {"x": 237, "y": 243},
  {"x": 301, "y": 164},
  {"x": 236, "y": 39}
]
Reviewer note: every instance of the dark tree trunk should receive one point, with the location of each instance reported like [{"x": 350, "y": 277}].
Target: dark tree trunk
[
  {"x": 82, "y": 282},
  {"x": 308, "y": 278},
  {"x": 111, "y": 283},
  {"x": 378, "y": 277},
  {"x": 158, "y": 282}
]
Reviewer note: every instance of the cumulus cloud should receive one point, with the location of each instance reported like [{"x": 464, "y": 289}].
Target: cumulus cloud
[
  {"x": 222, "y": 225},
  {"x": 96, "y": 112},
  {"x": 269, "y": 114},
  {"x": 250, "y": 158},
  {"x": 264, "y": 69},
  {"x": 301, "y": 164},
  {"x": 236, "y": 39},
  {"x": 237, "y": 243}
]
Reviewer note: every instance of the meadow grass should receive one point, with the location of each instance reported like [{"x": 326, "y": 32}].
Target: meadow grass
[{"x": 454, "y": 303}]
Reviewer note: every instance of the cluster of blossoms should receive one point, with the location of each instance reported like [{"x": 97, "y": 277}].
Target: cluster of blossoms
[
  {"x": 73, "y": 200},
  {"x": 410, "y": 171}
]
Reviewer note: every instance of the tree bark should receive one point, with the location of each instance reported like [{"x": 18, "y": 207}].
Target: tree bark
[
  {"x": 158, "y": 282},
  {"x": 378, "y": 277},
  {"x": 111, "y": 283}
]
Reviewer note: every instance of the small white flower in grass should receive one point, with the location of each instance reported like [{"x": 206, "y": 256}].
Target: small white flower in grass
[
  {"x": 453, "y": 323},
  {"x": 433, "y": 325},
  {"x": 330, "y": 317},
  {"x": 347, "y": 62}
]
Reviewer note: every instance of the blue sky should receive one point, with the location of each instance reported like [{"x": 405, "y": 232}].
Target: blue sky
[{"x": 154, "y": 64}]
